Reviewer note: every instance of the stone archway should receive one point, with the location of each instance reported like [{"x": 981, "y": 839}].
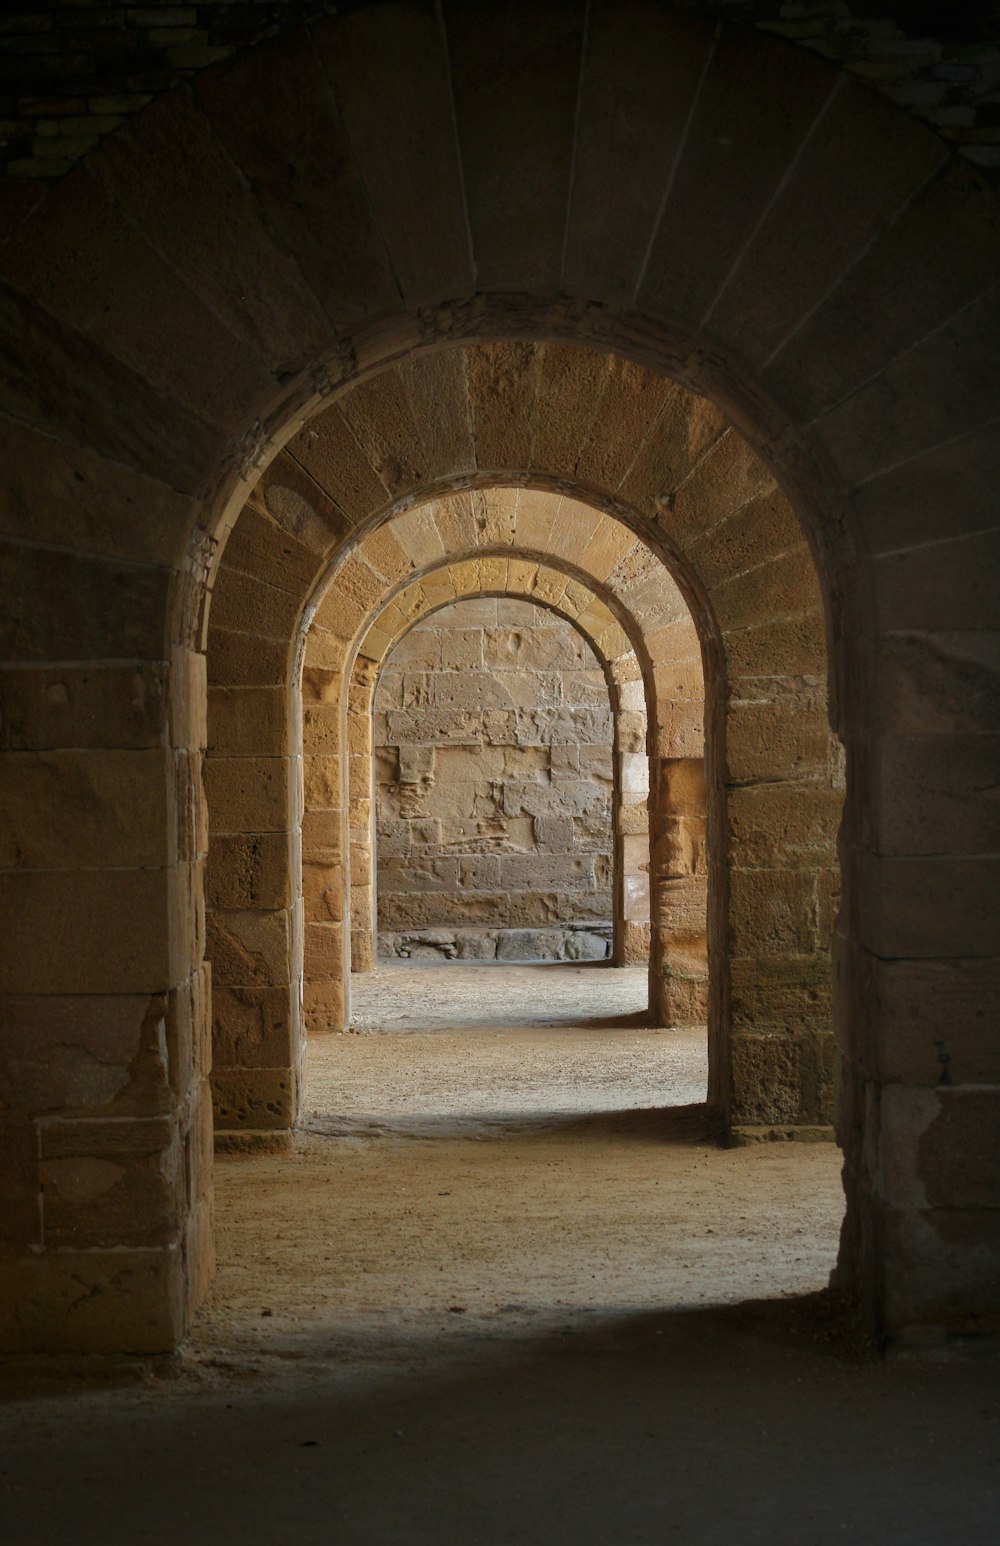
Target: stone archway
[
  {"x": 764, "y": 666},
  {"x": 629, "y": 817},
  {"x": 138, "y": 428}
]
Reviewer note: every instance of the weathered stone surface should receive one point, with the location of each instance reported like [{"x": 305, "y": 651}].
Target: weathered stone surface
[
  {"x": 108, "y": 1184},
  {"x": 118, "y": 1300},
  {"x": 116, "y": 707},
  {"x": 248, "y": 794},
  {"x": 250, "y": 1099},
  {"x": 252, "y": 1027},
  {"x": 249, "y": 948},
  {"x": 454, "y": 816},
  {"x": 250, "y": 869}
]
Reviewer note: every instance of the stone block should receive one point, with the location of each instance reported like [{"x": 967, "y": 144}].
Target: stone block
[
  {"x": 60, "y": 922},
  {"x": 20, "y": 1186},
  {"x": 259, "y": 546},
  {"x": 252, "y": 870},
  {"x": 584, "y": 688},
  {"x": 772, "y": 912},
  {"x": 633, "y": 820},
  {"x": 253, "y": 1027},
  {"x": 396, "y": 875},
  {"x": 764, "y": 739},
  {"x": 241, "y": 601},
  {"x": 103, "y": 610},
  {"x": 566, "y": 872},
  {"x": 530, "y": 945},
  {"x": 236, "y": 657},
  {"x": 764, "y": 1080},
  {"x": 362, "y": 949},
  {"x": 418, "y": 910},
  {"x": 635, "y": 898},
  {"x": 323, "y": 1005},
  {"x": 461, "y": 649},
  {"x": 321, "y": 729},
  {"x": 380, "y": 417},
  {"x": 935, "y": 794},
  {"x": 937, "y": 684},
  {"x": 63, "y": 809},
  {"x": 758, "y": 534},
  {"x": 115, "y": 707},
  {"x": 419, "y": 650},
  {"x": 322, "y": 835},
  {"x": 323, "y": 951},
  {"x": 248, "y": 794},
  {"x": 111, "y": 1184},
  {"x": 532, "y": 649},
  {"x": 683, "y": 993},
  {"x": 634, "y": 777},
  {"x": 456, "y": 690},
  {"x": 679, "y": 906},
  {"x": 720, "y": 189},
  {"x": 249, "y": 948},
  {"x": 254, "y": 1099},
  {"x": 631, "y": 402},
  {"x": 861, "y": 193},
  {"x": 585, "y": 945},
  {"x": 783, "y": 826},
  {"x": 794, "y": 646},
  {"x": 323, "y": 891},
  {"x": 792, "y": 992},
  {"x": 479, "y": 872},
  {"x": 298, "y": 504},
  {"x": 87, "y": 1054},
  {"x": 247, "y": 721},
  {"x": 437, "y": 390},
  {"x": 936, "y": 1021},
  {"x": 635, "y": 940},
  {"x": 99, "y": 1301},
  {"x": 343, "y": 260},
  {"x": 942, "y": 1266},
  {"x": 595, "y": 761},
  {"x": 322, "y": 787},
  {"x": 900, "y": 912}
]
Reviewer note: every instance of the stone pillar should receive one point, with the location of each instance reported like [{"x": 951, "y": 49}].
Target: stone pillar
[
  {"x": 916, "y": 956},
  {"x": 779, "y": 813},
  {"x": 325, "y": 875},
  {"x": 679, "y": 961},
  {"x": 252, "y": 782},
  {"x": 361, "y": 815},
  {"x": 105, "y": 1219},
  {"x": 631, "y": 866}
]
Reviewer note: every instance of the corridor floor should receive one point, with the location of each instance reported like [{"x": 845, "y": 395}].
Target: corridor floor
[{"x": 503, "y": 1291}]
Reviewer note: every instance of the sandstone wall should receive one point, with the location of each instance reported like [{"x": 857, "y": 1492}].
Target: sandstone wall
[{"x": 493, "y": 771}]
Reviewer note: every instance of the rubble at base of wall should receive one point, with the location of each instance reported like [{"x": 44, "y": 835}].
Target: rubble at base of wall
[{"x": 570, "y": 942}]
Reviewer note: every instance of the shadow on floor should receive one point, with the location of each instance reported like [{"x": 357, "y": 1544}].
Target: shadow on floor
[
  {"x": 690, "y": 1125},
  {"x": 761, "y": 1422}
]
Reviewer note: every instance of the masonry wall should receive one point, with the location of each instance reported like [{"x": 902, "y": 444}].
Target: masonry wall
[{"x": 493, "y": 768}]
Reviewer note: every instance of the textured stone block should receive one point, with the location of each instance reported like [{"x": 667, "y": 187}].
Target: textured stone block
[
  {"x": 60, "y": 922},
  {"x": 103, "y": 1301},
  {"x": 253, "y": 1027},
  {"x": 249, "y": 948},
  {"x": 248, "y": 794},
  {"x": 254, "y": 1099},
  {"x": 92, "y": 706},
  {"x": 251, "y": 870},
  {"x": 111, "y": 1184}
]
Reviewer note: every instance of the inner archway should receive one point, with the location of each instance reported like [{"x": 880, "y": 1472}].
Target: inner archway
[{"x": 494, "y": 768}]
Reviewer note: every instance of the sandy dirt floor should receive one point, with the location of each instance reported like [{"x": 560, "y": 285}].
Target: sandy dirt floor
[{"x": 501, "y": 1291}]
